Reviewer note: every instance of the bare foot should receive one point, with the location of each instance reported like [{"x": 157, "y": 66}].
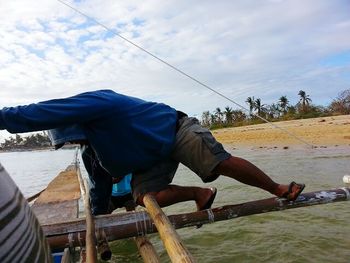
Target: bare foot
[
  {"x": 208, "y": 199},
  {"x": 291, "y": 191}
]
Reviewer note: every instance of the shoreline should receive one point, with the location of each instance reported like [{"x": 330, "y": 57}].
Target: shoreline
[{"x": 323, "y": 132}]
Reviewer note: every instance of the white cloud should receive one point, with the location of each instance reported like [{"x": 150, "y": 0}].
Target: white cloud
[{"x": 255, "y": 48}]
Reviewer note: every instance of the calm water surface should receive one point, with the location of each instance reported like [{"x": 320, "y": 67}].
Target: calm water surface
[{"x": 314, "y": 234}]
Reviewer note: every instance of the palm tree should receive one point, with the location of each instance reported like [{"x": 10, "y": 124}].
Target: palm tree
[
  {"x": 259, "y": 106},
  {"x": 342, "y": 103},
  {"x": 273, "y": 111},
  {"x": 283, "y": 103},
  {"x": 238, "y": 116},
  {"x": 212, "y": 119},
  {"x": 206, "y": 118},
  {"x": 218, "y": 114},
  {"x": 228, "y": 115},
  {"x": 251, "y": 102},
  {"x": 304, "y": 100}
]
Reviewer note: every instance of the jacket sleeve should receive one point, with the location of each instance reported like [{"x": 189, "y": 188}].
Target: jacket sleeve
[{"x": 55, "y": 113}]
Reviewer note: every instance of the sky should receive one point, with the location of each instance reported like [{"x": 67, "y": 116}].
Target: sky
[{"x": 240, "y": 48}]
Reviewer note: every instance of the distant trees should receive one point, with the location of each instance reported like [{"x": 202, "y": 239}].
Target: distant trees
[
  {"x": 206, "y": 120},
  {"x": 281, "y": 110},
  {"x": 304, "y": 101},
  {"x": 228, "y": 115},
  {"x": 273, "y": 111},
  {"x": 219, "y": 118},
  {"x": 341, "y": 105},
  {"x": 260, "y": 107},
  {"x": 283, "y": 103},
  {"x": 34, "y": 141},
  {"x": 251, "y": 102},
  {"x": 238, "y": 116},
  {"x": 219, "y": 114}
]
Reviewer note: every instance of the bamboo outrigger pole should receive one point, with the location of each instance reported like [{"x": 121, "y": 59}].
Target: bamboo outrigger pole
[
  {"x": 145, "y": 247},
  {"x": 146, "y": 250},
  {"x": 125, "y": 225},
  {"x": 90, "y": 244},
  {"x": 102, "y": 245},
  {"x": 172, "y": 242}
]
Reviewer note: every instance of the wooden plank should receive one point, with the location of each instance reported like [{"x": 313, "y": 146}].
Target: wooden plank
[{"x": 59, "y": 201}]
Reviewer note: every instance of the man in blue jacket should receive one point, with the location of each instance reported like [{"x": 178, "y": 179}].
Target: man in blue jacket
[
  {"x": 147, "y": 139},
  {"x": 105, "y": 195}
]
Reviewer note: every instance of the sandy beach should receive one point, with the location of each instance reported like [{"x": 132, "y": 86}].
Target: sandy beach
[{"x": 320, "y": 132}]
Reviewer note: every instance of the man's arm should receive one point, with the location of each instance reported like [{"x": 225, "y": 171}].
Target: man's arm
[{"x": 53, "y": 113}]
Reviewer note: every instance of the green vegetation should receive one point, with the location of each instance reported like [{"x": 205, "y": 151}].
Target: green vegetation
[
  {"x": 19, "y": 143},
  {"x": 281, "y": 110}
]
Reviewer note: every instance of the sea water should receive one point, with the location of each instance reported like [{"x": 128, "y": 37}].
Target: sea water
[{"x": 311, "y": 234}]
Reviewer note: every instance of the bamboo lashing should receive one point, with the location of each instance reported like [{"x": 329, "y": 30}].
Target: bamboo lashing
[
  {"x": 172, "y": 242},
  {"x": 145, "y": 247}
]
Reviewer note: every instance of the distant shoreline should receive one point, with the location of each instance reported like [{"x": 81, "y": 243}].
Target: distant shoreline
[
  {"x": 26, "y": 150},
  {"x": 320, "y": 132},
  {"x": 39, "y": 149}
]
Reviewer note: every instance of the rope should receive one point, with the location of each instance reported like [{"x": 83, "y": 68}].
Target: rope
[{"x": 185, "y": 74}]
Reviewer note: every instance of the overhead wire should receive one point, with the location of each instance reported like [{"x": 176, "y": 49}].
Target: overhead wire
[{"x": 184, "y": 73}]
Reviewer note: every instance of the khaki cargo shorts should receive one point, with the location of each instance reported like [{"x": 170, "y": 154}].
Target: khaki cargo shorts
[{"x": 195, "y": 147}]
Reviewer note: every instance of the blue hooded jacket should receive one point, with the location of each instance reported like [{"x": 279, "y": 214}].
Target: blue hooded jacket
[{"x": 128, "y": 134}]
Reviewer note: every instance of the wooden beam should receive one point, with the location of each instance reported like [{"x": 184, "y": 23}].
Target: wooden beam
[{"x": 131, "y": 224}]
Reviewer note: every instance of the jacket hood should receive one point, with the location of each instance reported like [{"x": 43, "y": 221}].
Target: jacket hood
[{"x": 60, "y": 136}]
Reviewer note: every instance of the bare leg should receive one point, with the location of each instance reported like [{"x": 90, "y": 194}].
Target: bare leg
[
  {"x": 175, "y": 194},
  {"x": 234, "y": 167},
  {"x": 247, "y": 173}
]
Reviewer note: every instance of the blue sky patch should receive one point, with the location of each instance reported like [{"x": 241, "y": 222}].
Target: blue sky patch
[{"x": 337, "y": 60}]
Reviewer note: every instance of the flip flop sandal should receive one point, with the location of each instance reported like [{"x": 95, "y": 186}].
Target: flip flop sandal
[{"x": 289, "y": 194}]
